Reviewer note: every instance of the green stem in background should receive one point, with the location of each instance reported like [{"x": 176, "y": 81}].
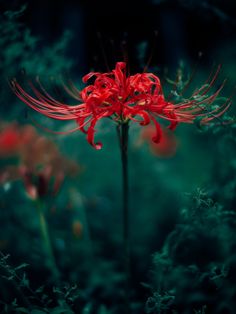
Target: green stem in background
[
  {"x": 122, "y": 130},
  {"x": 47, "y": 242}
]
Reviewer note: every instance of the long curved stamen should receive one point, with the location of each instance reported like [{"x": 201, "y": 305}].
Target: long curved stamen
[
  {"x": 71, "y": 90},
  {"x": 209, "y": 82}
]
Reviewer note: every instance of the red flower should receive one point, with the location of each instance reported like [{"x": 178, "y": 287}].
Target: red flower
[
  {"x": 9, "y": 140},
  {"x": 37, "y": 184},
  {"x": 123, "y": 98},
  {"x": 41, "y": 166},
  {"x": 14, "y": 140},
  {"x": 167, "y": 146}
]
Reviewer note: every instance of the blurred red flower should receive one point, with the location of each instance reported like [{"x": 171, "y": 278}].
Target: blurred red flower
[
  {"x": 14, "y": 139},
  {"x": 167, "y": 146},
  {"x": 9, "y": 140},
  {"x": 41, "y": 166},
  {"x": 123, "y": 98}
]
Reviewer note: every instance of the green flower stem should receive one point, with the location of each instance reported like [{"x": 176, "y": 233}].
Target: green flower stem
[
  {"x": 123, "y": 138},
  {"x": 47, "y": 242}
]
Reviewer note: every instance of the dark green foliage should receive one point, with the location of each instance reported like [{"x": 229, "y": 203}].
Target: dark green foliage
[
  {"x": 22, "y": 53},
  {"x": 195, "y": 265},
  {"x": 39, "y": 300}
]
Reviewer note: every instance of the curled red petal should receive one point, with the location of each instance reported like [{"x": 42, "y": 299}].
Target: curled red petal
[
  {"x": 90, "y": 135},
  {"x": 119, "y": 74},
  {"x": 89, "y": 75},
  {"x": 144, "y": 115},
  {"x": 157, "y": 137},
  {"x": 174, "y": 122}
]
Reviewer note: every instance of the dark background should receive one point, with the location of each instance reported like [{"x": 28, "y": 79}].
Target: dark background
[{"x": 103, "y": 31}]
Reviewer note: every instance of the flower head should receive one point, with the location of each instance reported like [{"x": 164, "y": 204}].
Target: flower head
[
  {"x": 41, "y": 166},
  {"x": 123, "y": 98},
  {"x": 167, "y": 146},
  {"x": 9, "y": 140}
]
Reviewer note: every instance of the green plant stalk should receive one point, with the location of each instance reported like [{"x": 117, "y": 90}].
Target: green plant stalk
[
  {"x": 47, "y": 242},
  {"x": 122, "y": 130}
]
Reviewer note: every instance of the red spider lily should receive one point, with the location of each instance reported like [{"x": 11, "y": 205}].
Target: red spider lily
[
  {"x": 42, "y": 173},
  {"x": 167, "y": 146},
  {"x": 15, "y": 140},
  {"x": 123, "y": 98},
  {"x": 37, "y": 185},
  {"x": 9, "y": 140}
]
